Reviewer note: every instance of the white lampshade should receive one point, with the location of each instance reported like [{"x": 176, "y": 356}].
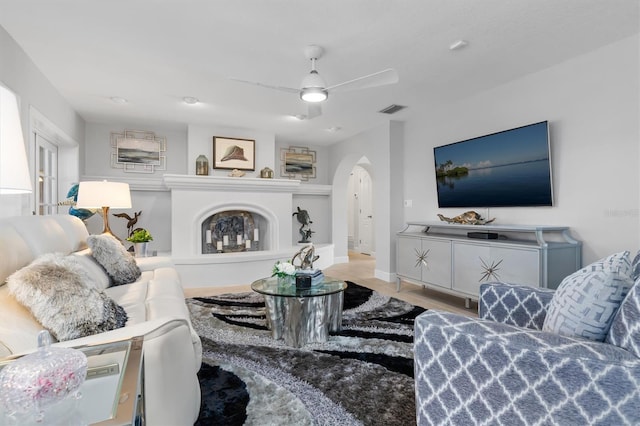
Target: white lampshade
[
  {"x": 14, "y": 168},
  {"x": 98, "y": 194}
]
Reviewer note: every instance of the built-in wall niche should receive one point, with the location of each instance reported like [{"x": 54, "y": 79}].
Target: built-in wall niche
[{"x": 233, "y": 231}]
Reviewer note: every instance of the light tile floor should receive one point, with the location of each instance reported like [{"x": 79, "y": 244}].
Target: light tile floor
[{"x": 360, "y": 270}]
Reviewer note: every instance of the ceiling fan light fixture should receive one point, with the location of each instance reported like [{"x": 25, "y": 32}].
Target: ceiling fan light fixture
[{"x": 313, "y": 94}]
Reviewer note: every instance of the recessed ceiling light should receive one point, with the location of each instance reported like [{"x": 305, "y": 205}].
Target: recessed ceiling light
[
  {"x": 457, "y": 45},
  {"x": 118, "y": 100},
  {"x": 334, "y": 129},
  {"x": 190, "y": 100}
]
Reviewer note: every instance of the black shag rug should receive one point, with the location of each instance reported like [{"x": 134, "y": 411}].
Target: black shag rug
[{"x": 362, "y": 376}]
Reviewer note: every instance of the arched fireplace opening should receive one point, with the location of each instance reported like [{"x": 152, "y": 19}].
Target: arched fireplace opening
[{"x": 233, "y": 231}]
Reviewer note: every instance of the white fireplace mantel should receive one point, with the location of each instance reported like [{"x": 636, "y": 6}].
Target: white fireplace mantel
[
  {"x": 221, "y": 183},
  {"x": 196, "y": 198}
]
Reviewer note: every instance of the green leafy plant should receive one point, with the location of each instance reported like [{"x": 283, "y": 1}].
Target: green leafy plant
[{"x": 140, "y": 235}]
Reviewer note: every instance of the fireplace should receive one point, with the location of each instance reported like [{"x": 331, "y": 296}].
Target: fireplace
[{"x": 255, "y": 216}]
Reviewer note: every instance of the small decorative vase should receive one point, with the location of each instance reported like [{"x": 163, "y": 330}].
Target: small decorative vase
[
  {"x": 286, "y": 281},
  {"x": 266, "y": 173},
  {"x": 202, "y": 166},
  {"x": 140, "y": 249}
]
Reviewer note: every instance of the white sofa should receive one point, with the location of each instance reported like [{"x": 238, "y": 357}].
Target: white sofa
[{"x": 154, "y": 304}]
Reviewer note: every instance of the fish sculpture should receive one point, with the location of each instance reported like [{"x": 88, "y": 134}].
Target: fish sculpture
[{"x": 467, "y": 218}]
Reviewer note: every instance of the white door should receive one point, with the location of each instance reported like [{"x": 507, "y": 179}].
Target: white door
[
  {"x": 47, "y": 184},
  {"x": 365, "y": 214}
]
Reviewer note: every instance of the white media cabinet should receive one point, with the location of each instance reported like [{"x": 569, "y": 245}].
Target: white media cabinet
[{"x": 441, "y": 256}]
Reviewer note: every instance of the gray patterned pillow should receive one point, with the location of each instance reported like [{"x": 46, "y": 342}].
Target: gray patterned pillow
[
  {"x": 625, "y": 328},
  {"x": 620, "y": 262},
  {"x": 59, "y": 293},
  {"x": 635, "y": 267},
  {"x": 586, "y": 302},
  {"x": 120, "y": 265}
]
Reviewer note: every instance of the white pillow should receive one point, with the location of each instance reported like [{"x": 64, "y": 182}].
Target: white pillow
[
  {"x": 120, "y": 265},
  {"x": 59, "y": 293}
]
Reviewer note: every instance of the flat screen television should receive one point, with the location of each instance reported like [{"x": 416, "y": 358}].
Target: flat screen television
[{"x": 511, "y": 168}]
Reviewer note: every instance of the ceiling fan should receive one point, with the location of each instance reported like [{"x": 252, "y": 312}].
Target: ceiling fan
[{"x": 314, "y": 89}]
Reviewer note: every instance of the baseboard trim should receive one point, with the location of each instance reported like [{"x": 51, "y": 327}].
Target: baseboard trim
[{"x": 384, "y": 276}]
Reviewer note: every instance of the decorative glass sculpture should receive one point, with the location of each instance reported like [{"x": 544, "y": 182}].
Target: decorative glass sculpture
[{"x": 41, "y": 379}]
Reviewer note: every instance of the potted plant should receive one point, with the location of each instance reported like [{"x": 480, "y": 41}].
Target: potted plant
[{"x": 140, "y": 239}]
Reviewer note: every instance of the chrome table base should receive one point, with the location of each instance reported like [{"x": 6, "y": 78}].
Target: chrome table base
[{"x": 302, "y": 320}]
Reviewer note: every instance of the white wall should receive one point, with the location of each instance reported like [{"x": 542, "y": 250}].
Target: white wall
[
  {"x": 20, "y": 74},
  {"x": 200, "y": 141},
  {"x": 591, "y": 103},
  {"x": 147, "y": 192},
  {"x": 322, "y": 163},
  {"x": 383, "y": 147}
]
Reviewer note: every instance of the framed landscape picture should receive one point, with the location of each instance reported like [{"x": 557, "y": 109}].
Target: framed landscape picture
[
  {"x": 138, "y": 151},
  {"x": 233, "y": 153},
  {"x": 298, "y": 162}
]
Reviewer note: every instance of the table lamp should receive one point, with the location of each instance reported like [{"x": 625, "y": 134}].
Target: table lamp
[
  {"x": 14, "y": 169},
  {"x": 104, "y": 195}
]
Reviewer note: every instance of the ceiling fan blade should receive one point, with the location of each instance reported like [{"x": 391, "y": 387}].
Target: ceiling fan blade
[
  {"x": 314, "y": 110},
  {"x": 281, "y": 88},
  {"x": 380, "y": 78}
]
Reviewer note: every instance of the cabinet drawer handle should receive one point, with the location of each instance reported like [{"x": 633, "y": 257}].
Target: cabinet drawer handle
[
  {"x": 421, "y": 258},
  {"x": 490, "y": 270}
]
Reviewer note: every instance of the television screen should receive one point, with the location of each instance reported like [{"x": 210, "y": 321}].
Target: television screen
[{"x": 505, "y": 169}]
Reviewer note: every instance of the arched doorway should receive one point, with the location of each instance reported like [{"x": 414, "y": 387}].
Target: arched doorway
[{"x": 360, "y": 210}]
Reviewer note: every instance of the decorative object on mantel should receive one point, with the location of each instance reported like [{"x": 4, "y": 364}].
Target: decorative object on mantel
[
  {"x": 138, "y": 151},
  {"x": 304, "y": 220},
  {"x": 236, "y": 173},
  {"x": 298, "y": 162},
  {"x": 41, "y": 379},
  {"x": 467, "y": 218},
  {"x": 266, "y": 173},
  {"x": 202, "y": 165},
  {"x": 131, "y": 221},
  {"x": 234, "y": 153}
]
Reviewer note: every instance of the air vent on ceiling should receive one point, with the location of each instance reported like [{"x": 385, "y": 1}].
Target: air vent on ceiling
[{"x": 392, "y": 109}]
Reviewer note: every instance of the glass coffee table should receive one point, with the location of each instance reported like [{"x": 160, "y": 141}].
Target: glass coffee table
[{"x": 300, "y": 316}]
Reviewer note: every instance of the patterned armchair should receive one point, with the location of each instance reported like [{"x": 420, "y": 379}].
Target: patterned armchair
[{"x": 502, "y": 369}]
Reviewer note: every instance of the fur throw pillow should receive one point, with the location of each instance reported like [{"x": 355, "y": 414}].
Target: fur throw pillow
[
  {"x": 120, "y": 265},
  {"x": 57, "y": 291}
]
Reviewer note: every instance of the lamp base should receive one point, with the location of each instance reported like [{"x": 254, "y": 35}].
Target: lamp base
[{"x": 105, "y": 220}]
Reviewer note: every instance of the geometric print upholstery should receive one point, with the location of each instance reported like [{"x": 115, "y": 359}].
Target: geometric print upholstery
[
  {"x": 625, "y": 328},
  {"x": 517, "y": 305},
  {"x": 474, "y": 371},
  {"x": 635, "y": 267},
  {"x": 585, "y": 303}
]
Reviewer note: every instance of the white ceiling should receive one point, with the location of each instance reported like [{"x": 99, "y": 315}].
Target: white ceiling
[{"x": 155, "y": 52}]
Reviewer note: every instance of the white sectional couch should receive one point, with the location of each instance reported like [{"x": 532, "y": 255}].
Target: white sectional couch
[{"x": 154, "y": 305}]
